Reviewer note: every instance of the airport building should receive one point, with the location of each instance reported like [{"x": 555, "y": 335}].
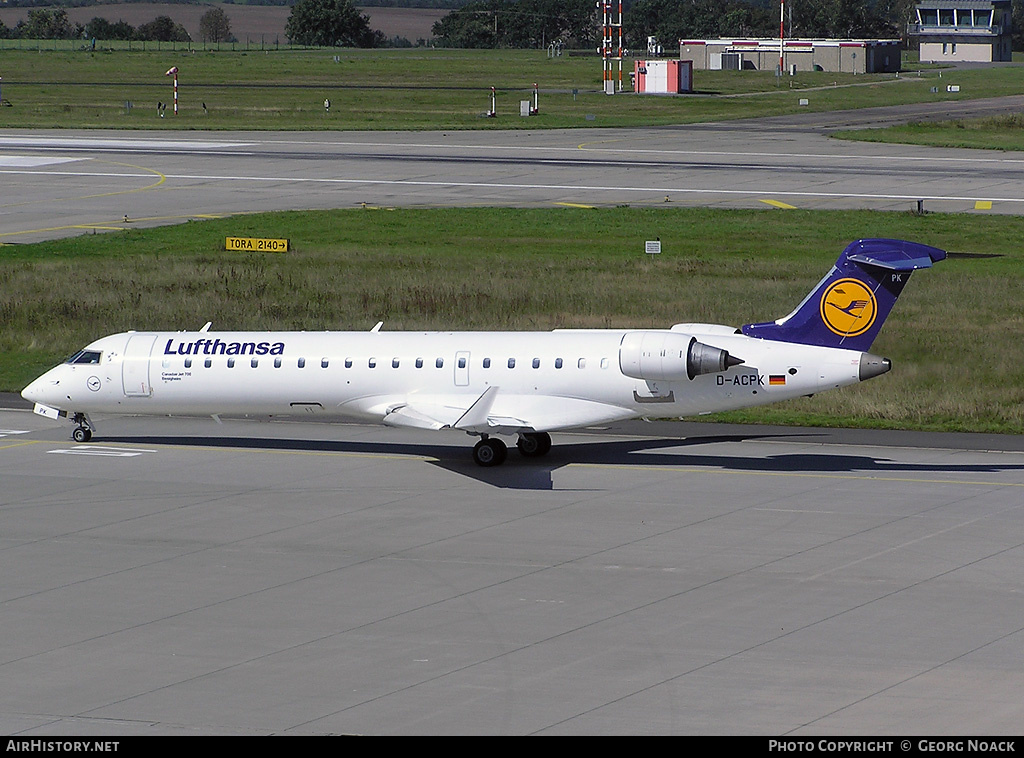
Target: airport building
[
  {"x": 851, "y": 56},
  {"x": 662, "y": 77},
  {"x": 973, "y": 31}
]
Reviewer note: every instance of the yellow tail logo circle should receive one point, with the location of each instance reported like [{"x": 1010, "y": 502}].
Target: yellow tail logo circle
[{"x": 848, "y": 307}]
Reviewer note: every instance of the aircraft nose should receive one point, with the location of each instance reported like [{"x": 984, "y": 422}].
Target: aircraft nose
[
  {"x": 42, "y": 390},
  {"x": 31, "y": 392}
]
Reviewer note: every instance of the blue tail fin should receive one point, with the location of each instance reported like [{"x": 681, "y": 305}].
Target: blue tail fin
[{"x": 848, "y": 306}]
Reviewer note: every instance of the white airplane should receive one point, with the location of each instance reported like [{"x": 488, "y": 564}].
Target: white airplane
[{"x": 497, "y": 383}]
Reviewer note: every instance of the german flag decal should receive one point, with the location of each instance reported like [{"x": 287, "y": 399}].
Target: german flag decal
[{"x": 776, "y": 380}]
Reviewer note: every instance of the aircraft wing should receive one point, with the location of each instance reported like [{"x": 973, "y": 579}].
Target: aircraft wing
[{"x": 497, "y": 413}]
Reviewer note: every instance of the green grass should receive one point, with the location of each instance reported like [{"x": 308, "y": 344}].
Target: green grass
[
  {"x": 954, "y": 337},
  {"x": 1005, "y": 132},
  {"x": 417, "y": 89}
]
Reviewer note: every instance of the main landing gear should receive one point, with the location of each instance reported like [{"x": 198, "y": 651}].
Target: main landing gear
[
  {"x": 83, "y": 432},
  {"x": 490, "y": 451}
]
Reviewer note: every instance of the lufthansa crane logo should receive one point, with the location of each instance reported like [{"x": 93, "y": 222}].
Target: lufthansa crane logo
[{"x": 848, "y": 307}]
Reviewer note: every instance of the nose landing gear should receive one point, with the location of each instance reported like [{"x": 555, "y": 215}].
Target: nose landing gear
[{"x": 83, "y": 432}]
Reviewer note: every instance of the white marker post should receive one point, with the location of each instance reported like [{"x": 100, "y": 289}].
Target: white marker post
[
  {"x": 173, "y": 71},
  {"x": 494, "y": 106}
]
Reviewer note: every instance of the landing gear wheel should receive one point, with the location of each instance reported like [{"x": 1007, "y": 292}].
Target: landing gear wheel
[
  {"x": 534, "y": 445},
  {"x": 490, "y": 452},
  {"x": 81, "y": 434}
]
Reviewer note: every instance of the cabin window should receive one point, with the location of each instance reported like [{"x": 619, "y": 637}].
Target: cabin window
[
  {"x": 277, "y": 363},
  {"x": 536, "y": 362},
  {"x": 439, "y": 363},
  {"x": 188, "y": 363},
  {"x": 419, "y": 363},
  {"x": 231, "y": 362},
  {"x": 462, "y": 362},
  {"x": 165, "y": 363},
  {"x": 372, "y": 363},
  {"x": 487, "y": 362},
  {"x": 208, "y": 362},
  {"x": 302, "y": 363},
  {"x": 323, "y": 363},
  {"x": 348, "y": 363},
  {"x": 254, "y": 362},
  {"x": 85, "y": 356},
  {"x": 581, "y": 363},
  {"x": 604, "y": 363},
  {"x": 394, "y": 363},
  {"x": 511, "y": 362},
  {"x": 558, "y": 363}
]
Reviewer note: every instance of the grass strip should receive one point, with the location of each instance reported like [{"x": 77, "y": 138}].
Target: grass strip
[{"x": 954, "y": 337}]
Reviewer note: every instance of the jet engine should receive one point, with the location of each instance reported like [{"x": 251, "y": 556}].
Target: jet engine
[{"x": 670, "y": 356}]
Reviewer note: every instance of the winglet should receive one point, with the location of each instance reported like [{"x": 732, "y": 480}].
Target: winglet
[
  {"x": 475, "y": 417},
  {"x": 849, "y": 305}
]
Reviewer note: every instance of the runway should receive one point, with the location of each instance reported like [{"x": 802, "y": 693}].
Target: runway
[
  {"x": 68, "y": 182},
  {"x": 176, "y": 576}
]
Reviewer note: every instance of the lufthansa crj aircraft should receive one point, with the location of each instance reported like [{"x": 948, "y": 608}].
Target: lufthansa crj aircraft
[{"x": 497, "y": 383}]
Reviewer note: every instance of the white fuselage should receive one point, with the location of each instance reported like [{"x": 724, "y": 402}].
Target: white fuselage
[{"x": 545, "y": 380}]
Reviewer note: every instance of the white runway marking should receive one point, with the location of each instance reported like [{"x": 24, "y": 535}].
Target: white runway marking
[
  {"x": 668, "y": 190},
  {"x": 98, "y": 143},
  {"x": 31, "y": 161},
  {"x": 108, "y": 452}
]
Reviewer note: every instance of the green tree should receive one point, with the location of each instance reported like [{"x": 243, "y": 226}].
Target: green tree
[
  {"x": 842, "y": 19},
  {"x": 48, "y": 24},
  {"x": 102, "y": 29},
  {"x": 519, "y": 24},
  {"x": 671, "y": 20},
  {"x": 1017, "y": 17},
  {"x": 164, "y": 29},
  {"x": 330, "y": 23},
  {"x": 215, "y": 26}
]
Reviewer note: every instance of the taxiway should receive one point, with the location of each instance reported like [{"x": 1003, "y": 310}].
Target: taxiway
[{"x": 176, "y": 576}]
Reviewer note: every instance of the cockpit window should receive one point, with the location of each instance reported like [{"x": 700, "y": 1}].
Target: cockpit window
[{"x": 85, "y": 356}]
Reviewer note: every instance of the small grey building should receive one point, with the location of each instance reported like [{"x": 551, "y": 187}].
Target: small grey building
[
  {"x": 851, "y": 56},
  {"x": 962, "y": 30}
]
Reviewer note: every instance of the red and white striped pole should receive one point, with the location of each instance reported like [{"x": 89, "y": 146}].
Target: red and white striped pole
[
  {"x": 174, "y": 72},
  {"x": 782, "y": 35}
]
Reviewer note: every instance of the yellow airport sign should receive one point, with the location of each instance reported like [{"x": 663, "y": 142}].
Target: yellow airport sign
[{"x": 256, "y": 244}]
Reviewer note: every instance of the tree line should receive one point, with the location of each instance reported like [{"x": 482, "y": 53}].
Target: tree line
[
  {"x": 577, "y": 23},
  {"x": 534, "y": 23},
  {"x": 53, "y": 23}
]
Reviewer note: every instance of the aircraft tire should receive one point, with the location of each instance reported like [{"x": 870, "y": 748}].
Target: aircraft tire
[
  {"x": 490, "y": 452},
  {"x": 534, "y": 445},
  {"x": 81, "y": 434}
]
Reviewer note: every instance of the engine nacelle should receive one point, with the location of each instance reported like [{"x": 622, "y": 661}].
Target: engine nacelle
[{"x": 670, "y": 356}]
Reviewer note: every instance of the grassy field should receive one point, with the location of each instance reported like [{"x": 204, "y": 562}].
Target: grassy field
[
  {"x": 1004, "y": 132},
  {"x": 954, "y": 337},
  {"x": 416, "y": 89}
]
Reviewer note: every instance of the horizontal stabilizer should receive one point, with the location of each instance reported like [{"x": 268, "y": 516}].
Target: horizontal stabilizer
[{"x": 894, "y": 255}]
